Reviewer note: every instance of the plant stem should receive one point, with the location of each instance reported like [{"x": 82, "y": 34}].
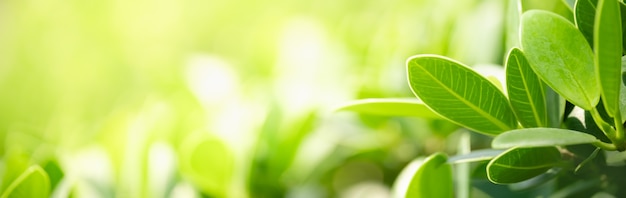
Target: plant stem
[
  {"x": 605, "y": 146},
  {"x": 619, "y": 134},
  {"x": 606, "y": 128}
]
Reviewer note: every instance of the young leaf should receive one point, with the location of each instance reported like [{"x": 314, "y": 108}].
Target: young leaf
[
  {"x": 391, "y": 107},
  {"x": 417, "y": 179},
  {"x": 33, "y": 182},
  {"x": 608, "y": 53},
  {"x": 560, "y": 56},
  {"x": 519, "y": 164},
  {"x": 538, "y": 137},
  {"x": 457, "y": 93},
  {"x": 526, "y": 91},
  {"x": 585, "y": 17}
]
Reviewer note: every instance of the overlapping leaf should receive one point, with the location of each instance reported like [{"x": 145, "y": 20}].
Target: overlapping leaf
[
  {"x": 608, "y": 53},
  {"x": 33, "y": 182},
  {"x": 560, "y": 56},
  {"x": 390, "y": 107},
  {"x": 460, "y": 94},
  {"x": 526, "y": 91},
  {"x": 519, "y": 164},
  {"x": 430, "y": 177},
  {"x": 539, "y": 137},
  {"x": 585, "y": 17}
]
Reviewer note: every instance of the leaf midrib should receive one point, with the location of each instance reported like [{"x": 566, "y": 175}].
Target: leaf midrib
[
  {"x": 492, "y": 119},
  {"x": 526, "y": 167},
  {"x": 530, "y": 99}
]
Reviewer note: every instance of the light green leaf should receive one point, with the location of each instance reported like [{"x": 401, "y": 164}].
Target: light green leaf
[
  {"x": 459, "y": 94},
  {"x": 417, "y": 179},
  {"x": 538, "y": 137},
  {"x": 526, "y": 91},
  {"x": 208, "y": 163},
  {"x": 585, "y": 17},
  {"x": 560, "y": 56},
  {"x": 475, "y": 156},
  {"x": 33, "y": 182},
  {"x": 559, "y": 7},
  {"x": 519, "y": 164},
  {"x": 608, "y": 53},
  {"x": 390, "y": 107}
]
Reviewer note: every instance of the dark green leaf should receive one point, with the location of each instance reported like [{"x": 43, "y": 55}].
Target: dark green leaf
[
  {"x": 526, "y": 91},
  {"x": 390, "y": 107},
  {"x": 460, "y": 94},
  {"x": 33, "y": 182},
  {"x": 560, "y": 56},
  {"x": 585, "y": 17},
  {"x": 538, "y": 137},
  {"x": 519, "y": 164},
  {"x": 417, "y": 179},
  {"x": 608, "y": 52}
]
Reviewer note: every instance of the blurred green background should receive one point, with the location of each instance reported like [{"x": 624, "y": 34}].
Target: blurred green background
[{"x": 207, "y": 98}]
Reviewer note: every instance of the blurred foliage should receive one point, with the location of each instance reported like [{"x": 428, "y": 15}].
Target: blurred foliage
[{"x": 193, "y": 98}]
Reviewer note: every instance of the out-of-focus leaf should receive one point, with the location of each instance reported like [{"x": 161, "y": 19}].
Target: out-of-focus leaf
[
  {"x": 526, "y": 91},
  {"x": 559, "y": 54},
  {"x": 460, "y": 94},
  {"x": 15, "y": 162},
  {"x": 33, "y": 182},
  {"x": 390, "y": 107},
  {"x": 207, "y": 163},
  {"x": 430, "y": 177},
  {"x": 559, "y": 7},
  {"x": 475, "y": 156},
  {"x": 608, "y": 52},
  {"x": 585, "y": 17},
  {"x": 519, "y": 164},
  {"x": 539, "y": 137}
]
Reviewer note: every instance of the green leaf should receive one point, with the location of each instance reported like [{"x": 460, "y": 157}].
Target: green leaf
[
  {"x": 475, "y": 156},
  {"x": 559, "y": 7},
  {"x": 519, "y": 164},
  {"x": 585, "y": 17},
  {"x": 208, "y": 163},
  {"x": 622, "y": 93},
  {"x": 459, "y": 94},
  {"x": 608, "y": 53},
  {"x": 538, "y": 137},
  {"x": 417, "y": 179},
  {"x": 560, "y": 56},
  {"x": 390, "y": 107},
  {"x": 33, "y": 182},
  {"x": 526, "y": 91}
]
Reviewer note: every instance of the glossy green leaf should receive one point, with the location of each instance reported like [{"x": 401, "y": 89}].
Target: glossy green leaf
[
  {"x": 33, "y": 182},
  {"x": 560, "y": 56},
  {"x": 559, "y": 7},
  {"x": 555, "y": 107},
  {"x": 417, "y": 179},
  {"x": 526, "y": 91},
  {"x": 608, "y": 53},
  {"x": 390, "y": 107},
  {"x": 519, "y": 164},
  {"x": 538, "y": 137},
  {"x": 459, "y": 94},
  {"x": 585, "y": 17}
]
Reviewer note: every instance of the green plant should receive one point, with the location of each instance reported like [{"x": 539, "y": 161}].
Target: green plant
[{"x": 566, "y": 60}]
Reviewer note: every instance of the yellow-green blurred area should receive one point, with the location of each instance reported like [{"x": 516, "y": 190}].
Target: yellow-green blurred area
[{"x": 209, "y": 98}]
